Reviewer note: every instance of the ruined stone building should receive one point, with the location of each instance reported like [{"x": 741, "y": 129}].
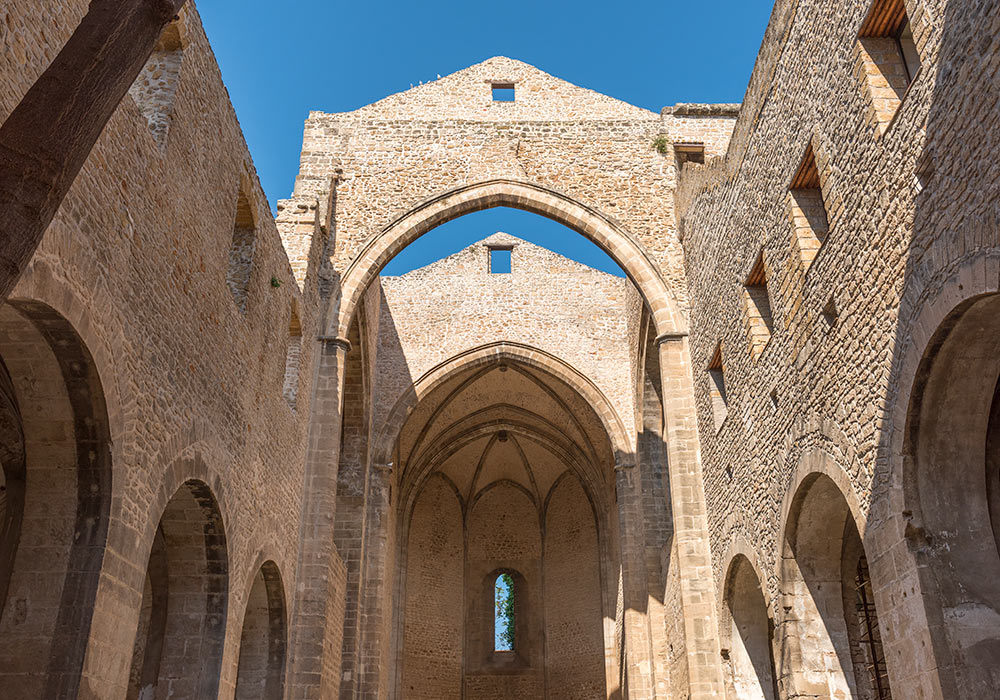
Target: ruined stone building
[{"x": 239, "y": 462}]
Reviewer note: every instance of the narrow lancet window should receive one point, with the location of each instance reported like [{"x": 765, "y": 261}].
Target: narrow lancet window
[{"x": 503, "y": 600}]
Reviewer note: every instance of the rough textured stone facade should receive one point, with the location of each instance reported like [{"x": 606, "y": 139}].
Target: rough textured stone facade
[{"x": 765, "y": 464}]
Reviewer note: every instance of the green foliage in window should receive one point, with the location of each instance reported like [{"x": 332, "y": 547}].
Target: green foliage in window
[{"x": 504, "y": 599}]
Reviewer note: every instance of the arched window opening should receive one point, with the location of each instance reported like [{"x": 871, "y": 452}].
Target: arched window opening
[
  {"x": 241, "y": 251},
  {"x": 504, "y": 622},
  {"x": 156, "y": 85},
  {"x": 293, "y": 355},
  {"x": 870, "y": 639}
]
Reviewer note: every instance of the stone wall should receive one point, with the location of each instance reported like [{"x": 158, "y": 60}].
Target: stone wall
[
  {"x": 136, "y": 262},
  {"x": 910, "y": 202}
]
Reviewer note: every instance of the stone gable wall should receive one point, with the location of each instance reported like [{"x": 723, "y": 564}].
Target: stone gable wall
[
  {"x": 574, "y": 312},
  {"x": 393, "y": 155}
]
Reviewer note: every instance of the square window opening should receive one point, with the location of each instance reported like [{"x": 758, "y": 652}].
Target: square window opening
[
  {"x": 500, "y": 261},
  {"x": 889, "y": 60},
  {"x": 503, "y": 92},
  {"x": 689, "y": 153}
]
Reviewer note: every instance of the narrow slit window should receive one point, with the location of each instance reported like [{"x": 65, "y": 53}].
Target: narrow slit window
[
  {"x": 503, "y": 92},
  {"x": 807, "y": 209},
  {"x": 500, "y": 261},
  {"x": 503, "y": 604},
  {"x": 293, "y": 355},
  {"x": 758, "y": 307},
  {"x": 241, "y": 252},
  {"x": 717, "y": 388}
]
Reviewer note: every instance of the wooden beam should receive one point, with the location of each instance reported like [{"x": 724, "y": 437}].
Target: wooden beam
[{"x": 49, "y": 135}]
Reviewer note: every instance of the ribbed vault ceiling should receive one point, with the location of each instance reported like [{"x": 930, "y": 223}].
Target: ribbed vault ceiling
[{"x": 505, "y": 422}]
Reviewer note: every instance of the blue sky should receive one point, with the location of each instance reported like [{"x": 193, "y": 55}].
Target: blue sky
[{"x": 280, "y": 59}]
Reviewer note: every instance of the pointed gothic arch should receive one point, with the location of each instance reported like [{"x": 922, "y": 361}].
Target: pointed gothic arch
[{"x": 615, "y": 240}]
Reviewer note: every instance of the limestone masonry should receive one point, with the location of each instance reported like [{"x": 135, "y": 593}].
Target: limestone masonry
[{"x": 764, "y": 464}]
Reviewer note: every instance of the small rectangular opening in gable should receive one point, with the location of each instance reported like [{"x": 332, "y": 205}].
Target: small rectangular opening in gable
[
  {"x": 503, "y": 91},
  {"x": 500, "y": 260},
  {"x": 689, "y": 153}
]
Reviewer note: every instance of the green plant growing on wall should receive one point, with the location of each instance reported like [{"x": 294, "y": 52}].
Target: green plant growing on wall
[{"x": 661, "y": 144}]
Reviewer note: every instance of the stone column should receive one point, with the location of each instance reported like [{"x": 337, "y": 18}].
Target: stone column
[
  {"x": 631, "y": 542},
  {"x": 317, "y": 614},
  {"x": 376, "y": 603},
  {"x": 687, "y": 495}
]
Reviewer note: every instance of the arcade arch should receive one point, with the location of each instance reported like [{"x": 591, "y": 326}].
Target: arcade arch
[
  {"x": 618, "y": 243},
  {"x": 504, "y": 466},
  {"x": 831, "y": 643},
  {"x": 952, "y": 490},
  {"x": 750, "y": 633},
  {"x": 54, "y": 501},
  {"x": 182, "y": 623},
  {"x": 261, "y": 669}
]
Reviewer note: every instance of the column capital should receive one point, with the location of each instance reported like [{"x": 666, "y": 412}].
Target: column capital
[
  {"x": 671, "y": 337},
  {"x": 338, "y": 342}
]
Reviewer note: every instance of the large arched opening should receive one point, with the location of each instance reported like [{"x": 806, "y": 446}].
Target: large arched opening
[
  {"x": 182, "y": 622},
  {"x": 365, "y": 361},
  {"x": 952, "y": 484},
  {"x": 55, "y": 496},
  {"x": 261, "y": 669},
  {"x": 750, "y": 633},
  {"x": 362, "y": 266},
  {"x": 831, "y": 637},
  {"x": 505, "y": 467}
]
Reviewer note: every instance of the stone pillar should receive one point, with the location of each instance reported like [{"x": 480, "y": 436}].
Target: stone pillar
[
  {"x": 631, "y": 542},
  {"x": 317, "y": 614},
  {"x": 687, "y": 495},
  {"x": 376, "y": 595}
]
